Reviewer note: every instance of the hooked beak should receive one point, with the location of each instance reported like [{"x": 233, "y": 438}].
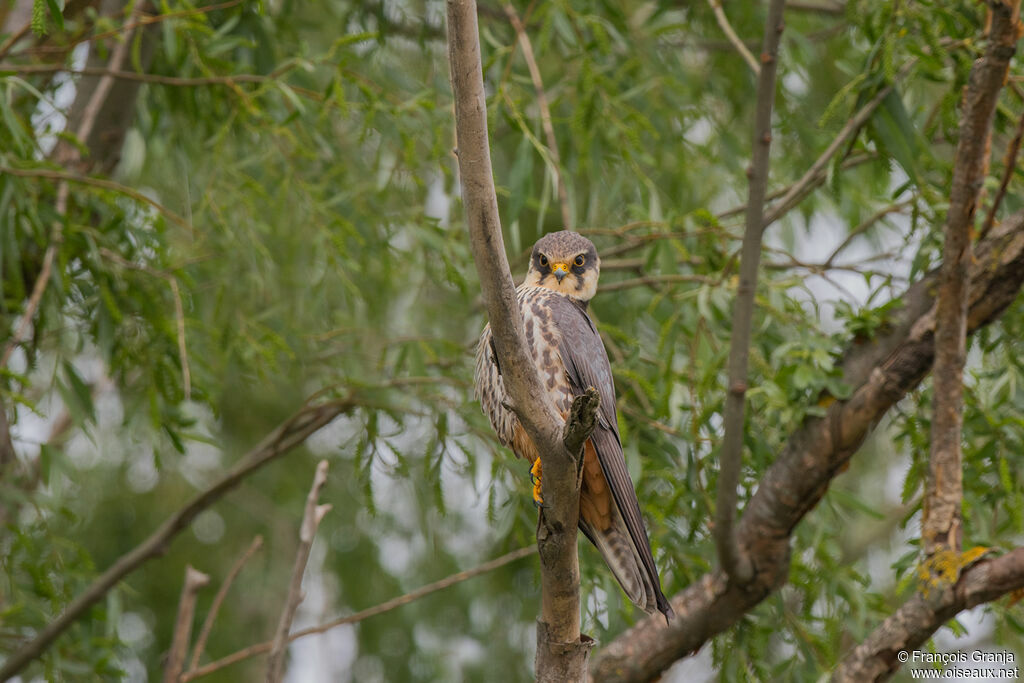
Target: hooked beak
[{"x": 560, "y": 270}]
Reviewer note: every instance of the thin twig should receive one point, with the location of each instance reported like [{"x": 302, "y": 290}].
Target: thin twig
[
  {"x": 179, "y": 311},
  {"x": 229, "y": 80},
  {"x": 545, "y": 112},
  {"x": 621, "y": 230},
  {"x": 848, "y": 163},
  {"x": 218, "y": 600},
  {"x": 723, "y": 23},
  {"x": 194, "y": 581},
  {"x": 68, "y": 155},
  {"x": 637, "y": 241},
  {"x": 1009, "y": 167},
  {"x": 39, "y": 287},
  {"x": 852, "y": 127},
  {"x": 101, "y": 183},
  {"x": 294, "y": 431},
  {"x": 311, "y": 518},
  {"x": 394, "y": 603},
  {"x": 654, "y": 280},
  {"x": 637, "y": 264},
  {"x": 643, "y": 417},
  {"x": 142, "y": 20},
  {"x": 733, "y": 559},
  {"x": 821, "y": 8},
  {"x": 179, "y": 316},
  {"x": 5, "y": 49},
  {"x": 864, "y": 227}
]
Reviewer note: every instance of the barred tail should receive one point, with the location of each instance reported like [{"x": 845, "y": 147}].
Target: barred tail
[{"x": 622, "y": 557}]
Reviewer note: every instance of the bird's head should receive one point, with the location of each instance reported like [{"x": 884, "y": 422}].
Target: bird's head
[{"x": 566, "y": 262}]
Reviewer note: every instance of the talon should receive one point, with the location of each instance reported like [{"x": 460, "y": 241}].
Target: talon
[{"x": 535, "y": 478}]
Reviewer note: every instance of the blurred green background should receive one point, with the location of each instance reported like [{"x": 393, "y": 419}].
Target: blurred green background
[{"x": 284, "y": 221}]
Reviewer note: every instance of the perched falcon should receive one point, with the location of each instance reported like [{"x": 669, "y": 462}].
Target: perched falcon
[{"x": 570, "y": 358}]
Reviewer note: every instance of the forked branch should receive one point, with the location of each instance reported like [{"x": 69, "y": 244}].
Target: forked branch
[
  {"x": 194, "y": 582},
  {"x": 880, "y": 372},
  {"x": 290, "y": 434},
  {"x": 311, "y": 518},
  {"x": 559, "y": 633}
]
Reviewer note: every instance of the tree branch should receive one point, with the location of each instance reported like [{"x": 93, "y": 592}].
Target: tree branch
[
  {"x": 941, "y": 527},
  {"x": 917, "y": 619},
  {"x": 143, "y": 20},
  {"x": 723, "y": 23},
  {"x": 102, "y": 183},
  {"x": 1009, "y": 166},
  {"x": 654, "y": 280},
  {"x": 311, "y": 519},
  {"x": 69, "y": 155},
  {"x": 560, "y": 632},
  {"x": 880, "y": 371},
  {"x": 545, "y": 113},
  {"x": 194, "y": 581},
  {"x": 805, "y": 184},
  {"x": 387, "y": 606},
  {"x": 863, "y": 227},
  {"x": 798, "y": 190},
  {"x": 290, "y": 434},
  {"x": 218, "y": 600},
  {"x": 736, "y": 565}
]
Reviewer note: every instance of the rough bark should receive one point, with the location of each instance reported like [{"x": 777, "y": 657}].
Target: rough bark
[
  {"x": 560, "y": 647},
  {"x": 113, "y": 113},
  {"x": 916, "y": 620},
  {"x": 880, "y": 371},
  {"x": 941, "y": 526}
]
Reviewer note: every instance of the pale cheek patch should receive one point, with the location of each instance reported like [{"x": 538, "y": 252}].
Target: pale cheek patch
[{"x": 582, "y": 288}]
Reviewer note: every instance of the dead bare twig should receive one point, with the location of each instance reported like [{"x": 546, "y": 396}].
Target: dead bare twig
[
  {"x": 218, "y": 600},
  {"x": 194, "y": 581},
  {"x": 394, "y": 603},
  {"x": 311, "y": 518},
  {"x": 288, "y": 435}
]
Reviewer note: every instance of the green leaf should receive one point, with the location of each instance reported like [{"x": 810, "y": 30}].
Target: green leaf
[
  {"x": 520, "y": 179},
  {"x": 911, "y": 482},
  {"x": 57, "y": 12},
  {"x": 77, "y": 395},
  {"x": 893, "y": 131}
]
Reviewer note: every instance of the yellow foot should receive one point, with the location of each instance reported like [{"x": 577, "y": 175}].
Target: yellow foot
[{"x": 535, "y": 478}]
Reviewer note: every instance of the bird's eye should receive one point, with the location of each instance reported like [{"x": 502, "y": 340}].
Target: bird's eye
[
  {"x": 543, "y": 261},
  {"x": 579, "y": 260}
]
